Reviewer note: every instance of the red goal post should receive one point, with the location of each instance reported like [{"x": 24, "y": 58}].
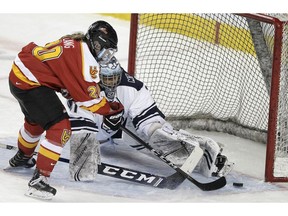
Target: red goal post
[{"x": 222, "y": 72}]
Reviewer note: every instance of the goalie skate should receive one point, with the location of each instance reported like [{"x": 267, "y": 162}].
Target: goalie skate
[{"x": 224, "y": 167}]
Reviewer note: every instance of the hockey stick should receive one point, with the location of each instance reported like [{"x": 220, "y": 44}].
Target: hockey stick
[
  {"x": 214, "y": 185},
  {"x": 170, "y": 182}
]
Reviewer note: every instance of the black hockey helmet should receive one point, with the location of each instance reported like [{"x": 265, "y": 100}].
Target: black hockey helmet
[{"x": 102, "y": 40}]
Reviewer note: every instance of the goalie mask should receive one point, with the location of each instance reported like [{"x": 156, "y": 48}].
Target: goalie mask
[
  {"x": 110, "y": 74},
  {"x": 102, "y": 41}
]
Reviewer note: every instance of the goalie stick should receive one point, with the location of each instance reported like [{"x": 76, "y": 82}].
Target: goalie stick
[
  {"x": 170, "y": 182},
  {"x": 214, "y": 185}
]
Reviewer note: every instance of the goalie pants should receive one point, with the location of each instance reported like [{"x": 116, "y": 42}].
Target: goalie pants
[{"x": 43, "y": 111}]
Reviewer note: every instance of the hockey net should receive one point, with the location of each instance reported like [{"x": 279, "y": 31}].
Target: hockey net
[{"x": 222, "y": 72}]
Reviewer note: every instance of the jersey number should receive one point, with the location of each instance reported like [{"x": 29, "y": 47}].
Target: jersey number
[
  {"x": 94, "y": 91},
  {"x": 49, "y": 51}
]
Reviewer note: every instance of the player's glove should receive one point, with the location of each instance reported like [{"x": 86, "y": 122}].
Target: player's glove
[
  {"x": 112, "y": 121},
  {"x": 72, "y": 105},
  {"x": 65, "y": 93}
]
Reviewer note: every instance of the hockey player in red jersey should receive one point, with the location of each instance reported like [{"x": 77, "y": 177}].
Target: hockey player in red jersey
[{"x": 69, "y": 65}]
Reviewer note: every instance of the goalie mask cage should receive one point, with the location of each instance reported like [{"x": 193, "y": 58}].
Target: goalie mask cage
[{"x": 221, "y": 72}]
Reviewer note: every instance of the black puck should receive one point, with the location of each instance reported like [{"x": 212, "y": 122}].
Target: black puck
[{"x": 237, "y": 184}]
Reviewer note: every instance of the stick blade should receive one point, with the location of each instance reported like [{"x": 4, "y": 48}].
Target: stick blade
[
  {"x": 210, "y": 186},
  {"x": 173, "y": 181}
]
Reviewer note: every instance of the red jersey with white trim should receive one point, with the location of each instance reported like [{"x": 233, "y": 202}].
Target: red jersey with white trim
[{"x": 63, "y": 64}]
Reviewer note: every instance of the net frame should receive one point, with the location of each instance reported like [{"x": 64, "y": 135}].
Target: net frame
[{"x": 275, "y": 127}]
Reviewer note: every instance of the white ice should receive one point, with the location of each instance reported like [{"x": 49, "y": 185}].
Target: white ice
[{"x": 16, "y": 30}]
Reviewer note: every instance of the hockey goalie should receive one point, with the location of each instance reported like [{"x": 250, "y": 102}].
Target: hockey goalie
[{"x": 136, "y": 109}]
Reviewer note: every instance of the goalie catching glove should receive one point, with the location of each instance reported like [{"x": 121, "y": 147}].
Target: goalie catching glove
[{"x": 112, "y": 121}]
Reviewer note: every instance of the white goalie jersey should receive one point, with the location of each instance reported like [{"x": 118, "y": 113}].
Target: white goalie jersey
[
  {"x": 139, "y": 108},
  {"x": 149, "y": 122}
]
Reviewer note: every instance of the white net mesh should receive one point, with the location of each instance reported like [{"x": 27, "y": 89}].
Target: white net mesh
[
  {"x": 197, "y": 67},
  {"x": 213, "y": 71}
]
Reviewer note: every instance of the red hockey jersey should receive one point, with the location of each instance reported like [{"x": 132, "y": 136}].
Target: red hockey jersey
[{"x": 65, "y": 64}]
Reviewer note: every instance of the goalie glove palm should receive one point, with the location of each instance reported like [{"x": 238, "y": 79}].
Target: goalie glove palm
[{"x": 112, "y": 121}]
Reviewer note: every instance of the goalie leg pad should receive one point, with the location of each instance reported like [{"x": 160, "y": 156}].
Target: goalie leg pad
[
  {"x": 213, "y": 163},
  {"x": 207, "y": 163},
  {"x": 182, "y": 152},
  {"x": 84, "y": 157}
]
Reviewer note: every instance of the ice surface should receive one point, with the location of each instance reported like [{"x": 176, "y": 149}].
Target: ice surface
[{"x": 249, "y": 157}]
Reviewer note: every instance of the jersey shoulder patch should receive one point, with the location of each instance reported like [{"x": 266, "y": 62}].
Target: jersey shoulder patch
[{"x": 128, "y": 80}]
